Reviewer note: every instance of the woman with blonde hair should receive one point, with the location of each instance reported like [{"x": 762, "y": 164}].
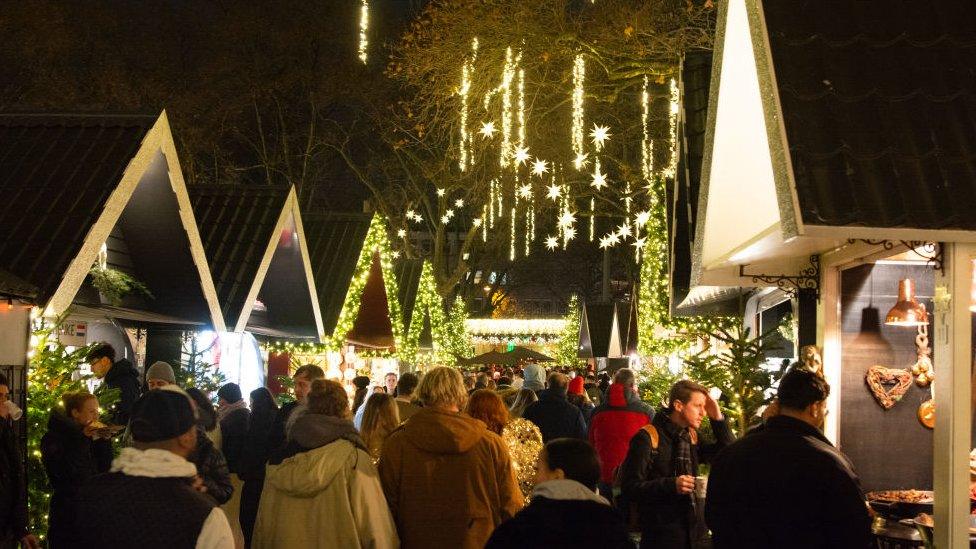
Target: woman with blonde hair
[
  {"x": 381, "y": 417},
  {"x": 521, "y": 435},
  {"x": 447, "y": 478},
  {"x": 325, "y": 492}
]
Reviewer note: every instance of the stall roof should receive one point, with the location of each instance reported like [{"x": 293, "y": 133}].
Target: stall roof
[
  {"x": 335, "y": 241},
  {"x": 245, "y": 230},
  {"x": 599, "y": 331},
  {"x": 834, "y": 120},
  {"x": 69, "y": 180}
]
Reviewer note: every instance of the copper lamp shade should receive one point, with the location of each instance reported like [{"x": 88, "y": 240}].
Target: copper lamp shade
[{"x": 908, "y": 311}]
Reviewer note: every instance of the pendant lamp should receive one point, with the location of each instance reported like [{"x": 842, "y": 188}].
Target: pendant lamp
[{"x": 907, "y": 311}]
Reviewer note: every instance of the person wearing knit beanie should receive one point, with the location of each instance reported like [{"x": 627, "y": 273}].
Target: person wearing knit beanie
[
  {"x": 535, "y": 377},
  {"x": 160, "y": 374},
  {"x": 576, "y": 386}
]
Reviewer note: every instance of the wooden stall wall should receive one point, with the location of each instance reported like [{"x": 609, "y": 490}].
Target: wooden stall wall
[{"x": 890, "y": 448}]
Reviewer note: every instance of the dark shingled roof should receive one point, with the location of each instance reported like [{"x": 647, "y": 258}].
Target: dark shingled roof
[
  {"x": 236, "y": 225},
  {"x": 56, "y": 173},
  {"x": 879, "y": 105},
  {"x": 407, "y": 273},
  {"x": 334, "y": 241}
]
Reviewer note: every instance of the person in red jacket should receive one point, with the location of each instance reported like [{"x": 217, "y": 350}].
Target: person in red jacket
[{"x": 614, "y": 423}]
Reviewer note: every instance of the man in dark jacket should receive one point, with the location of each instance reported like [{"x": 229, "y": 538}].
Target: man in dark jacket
[
  {"x": 233, "y": 415},
  {"x": 787, "y": 485},
  {"x": 119, "y": 375},
  {"x": 614, "y": 423},
  {"x": 13, "y": 485},
  {"x": 304, "y": 376},
  {"x": 565, "y": 511},
  {"x": 555, "y": 416},
  {"x": 660, "y": 480}
]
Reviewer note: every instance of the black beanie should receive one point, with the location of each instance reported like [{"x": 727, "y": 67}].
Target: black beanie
[
  {"x": 231, "y": 392},
  {"x": 161, "y": 415},
  {"x": 361, "y": 382}
]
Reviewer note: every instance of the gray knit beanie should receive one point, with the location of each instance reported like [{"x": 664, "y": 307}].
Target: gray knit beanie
[
  {"x": 535, "y": 377},
  {"x": 162, "y": 371}
]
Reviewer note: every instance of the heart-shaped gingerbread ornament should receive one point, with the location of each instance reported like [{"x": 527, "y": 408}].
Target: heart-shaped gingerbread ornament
[{"x": 879, "y": 376}]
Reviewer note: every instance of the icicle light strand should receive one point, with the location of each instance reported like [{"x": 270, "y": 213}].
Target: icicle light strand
[
  {"x": 672, "y": 168},
  {"x": 363, "y": 28},
  {"x": 579, "y": 78}
]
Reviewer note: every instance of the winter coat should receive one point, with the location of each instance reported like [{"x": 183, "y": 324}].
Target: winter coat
[
  {"x": 124, "y": 377},
  {"x": 613, "y": 424},
  {"x": 667, "y": 519},
  {"x": 786, "y": 486},
  {"x": 13, "y": 491},
  {"x": 556, "y": 416},
  {"x": 233, "y": 433},
  {"x": 70, "y": 459},
  {"x": 279, "y": 431},
  {"x": 448, "y": 480},
  {"x": 564, "y": 514},
  {"x": 326, "y": 495},
  {"x": 257, "y": 446},
  {"x": 212, "y": 467}
]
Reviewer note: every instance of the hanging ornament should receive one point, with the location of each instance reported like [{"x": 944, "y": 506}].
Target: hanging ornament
[
  {"x": 540, "y": 167},
  {"x": 551, "y": 242},
  {"x": 600, "y": 135},
  {"x": 487, "y": 130},
  {"x": 459, "y": 203}
]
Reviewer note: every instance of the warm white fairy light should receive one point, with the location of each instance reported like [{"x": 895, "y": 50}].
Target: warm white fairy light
[
  {"x": 627, "y": 199},
  {"x": 647, "y": 145},
  {"x": 508, "y": 74},
  {"x": 492, "y": 191},
  {"x": 521, "y": 108},
  {"x": 363, "y": 28},
  {"x": 488, "y": 130},
  {"x": 552, "y": 242},
  {"x": 480, "y": 222},
  {"x": 554, "y": 192},
  {"x": 600, "y": 135},
  {"x": 540, "y": 167},
  {"x": 672, "y": 168},
  {"x": 579, "y": 78},
  {"x": 511, "y": 248},
  {"x": 466, "y": 157},
  {"x": 592, "y": 218}
]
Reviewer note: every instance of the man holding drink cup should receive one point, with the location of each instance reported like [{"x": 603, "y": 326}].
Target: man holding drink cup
[{"x": 658, "y": 477}]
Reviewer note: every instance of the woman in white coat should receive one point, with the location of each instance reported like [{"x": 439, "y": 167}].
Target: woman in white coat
[{"x": 323, "y": 490}]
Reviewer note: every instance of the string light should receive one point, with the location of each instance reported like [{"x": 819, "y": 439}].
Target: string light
[
  {"x": 467, "y": 71},
  {"x": 511, "y": 251},
  {"x": 363, "y": 28},
  {"x": 579, "y": 78},
  {"x": 521, "y": 109},
  {"x": 592, "y": 218},
  {"x": 491, "y": 203},
  {"x": 672, "y": 168},
  {"x": 647, "y": 145},
  {"x": 508, "y": 74}
]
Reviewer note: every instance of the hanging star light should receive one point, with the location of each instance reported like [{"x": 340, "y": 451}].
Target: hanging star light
[
  {"x": 599, "y": 180},
  {"x": 411, "y": 213},
  {"x": 402, "y": 233},
  {"x": 567, "y": 220},
  {"x": 459, "y": 203},
  {"x": 525, "y": 191},
  {"x": 552, "y": 242},
  {"x": 540, "y": 167},
  {"x": 449, "y": 214},
  {"x": 642, "y": 218},
  {"x": 569, "y": 233},
  {"x": 614, "y": 238},
  {"x": 521, "y": 155},
  {"x": 624, "y": 230},
  {"x": 581, "y": 161},
  {"x": 487, "y": 130},
  {"x": 554, "y": 192},
  {"x": 395, "y": 254},
  {"x": 477, "y": 222},
  {"x": 600, "y": 135},
  {"x": 440, "y": 192},
  {"x": 445, "y": 219},
  {"x": 418, "y": 218},
  {"x": 605, "y": 243},
  {"x": 639, "y": 243}
]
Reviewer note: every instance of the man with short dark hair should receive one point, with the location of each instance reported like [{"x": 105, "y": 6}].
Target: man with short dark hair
[
  {"x": 789, "y": 484},
  {"x": 658, "y": 474},
  {"x": 120, "y": 375},
  {"x": 303, "y": 376},
  {"x": 147, "y": 500},
  {"x": 404, "y": 399},
  {"x": 565, "y": 510},
  {"x": 555, "y": 416}
]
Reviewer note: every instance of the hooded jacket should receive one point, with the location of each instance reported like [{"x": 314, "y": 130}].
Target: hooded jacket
[
  {"x": 70, "y": 459},
  {"x": 326, "y": 495},
  {"x": 565, "y": 514},
  {"x": 124, "y": 377},
  {"x": 535, "y": 377},
  {"x": 212, "y": 468},
  {"x": 613, "y": 424},
  {"x": 556, "y": 416},
  {"x": 448, "y": 480}
]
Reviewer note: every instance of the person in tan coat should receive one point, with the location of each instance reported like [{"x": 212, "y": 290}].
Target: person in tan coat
[{"x": 448, "y": 480}]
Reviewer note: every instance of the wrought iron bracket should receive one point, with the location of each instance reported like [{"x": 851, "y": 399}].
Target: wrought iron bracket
[
  {"x": 807, "y": 279},
  {"x": 932, "y": 252}
]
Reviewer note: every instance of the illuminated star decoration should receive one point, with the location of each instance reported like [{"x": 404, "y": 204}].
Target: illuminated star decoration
[
  {"x": 540, "y": 167},
  {"x": 639, "y": 243},
  {"x": 418, "y": 218},
  {"x": 642, "y": 218},
  {"x": 599, "y": 180},
  {"x": 459, "y": 203},
  {"x": 445, "y": 219},
  {"x": 440, "y": 192},
  {"x": 567, "y": 220},
  {"x": 605, "y": 242},
  {"x": 477, "y": 222},
  {"x": 569, "y": 233},
  {"x": 396, "y": 254},
  {"x": 554, "y": 192},
  {"x": 600, "y": 135},
  {"x": 624, "y": 230},
  {"x": 580, "y": 161},
  {"x": 449, "y": 214},
  {"x": 402, "y": 233},
  {"x": 525, "y": 191},
  {"x": 521, "y": 155},
  {"x": 410, "y": 214},
  {"x": 487, "y": 130},
  {"x": 551, "y": 242}
]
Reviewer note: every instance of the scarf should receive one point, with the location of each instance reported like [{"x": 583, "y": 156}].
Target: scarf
[
  {"x": 224, "y": 410},
  {"x": 152, "y": 463}
]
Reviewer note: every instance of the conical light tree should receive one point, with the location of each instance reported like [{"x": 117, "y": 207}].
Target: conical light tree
[
  {"x": 568, "y": 345},
  {"x": 457, "y": 341}
]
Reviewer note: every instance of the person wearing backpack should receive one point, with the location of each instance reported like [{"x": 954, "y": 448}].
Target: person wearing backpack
[{"x": 657, "y": 478}]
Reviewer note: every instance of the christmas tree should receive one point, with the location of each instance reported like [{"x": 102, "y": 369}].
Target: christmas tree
[
  {"x": 567, "y": 347},
  {"x": 457, "y": 342}
]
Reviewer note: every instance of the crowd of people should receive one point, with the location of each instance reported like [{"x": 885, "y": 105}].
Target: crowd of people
[{"x": 498, "y": 458}]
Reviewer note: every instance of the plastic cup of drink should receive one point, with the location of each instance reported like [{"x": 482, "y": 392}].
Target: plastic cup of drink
[{"x": 701, "y": 486}]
